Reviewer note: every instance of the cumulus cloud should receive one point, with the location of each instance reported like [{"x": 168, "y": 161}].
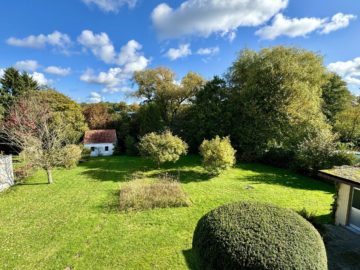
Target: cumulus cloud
[
  {"x": 95, "y": 97},
  {"x": 40, "y": 78},
  {"x": 56, "y": 39},
  {"x": 208, "y": 51},
  {"x": 57, "y": 70},
  {"x": 110, "y": 5},
  {"x": 27, "y": 65},
  {"x": 102, "y": 47},
  {"x": 349, "y": 70},
  {"x": 128, "y": 60},
  {"x": 206, "y": 17},
  {"x": 338, "y": 21},
  {"x": 301, "y": 27},
  {"x": 181, "y": 52}
]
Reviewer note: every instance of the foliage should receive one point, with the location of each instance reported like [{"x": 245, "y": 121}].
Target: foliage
[
  {"x": 85, "y": 203},
  {"x": 98, "y": 116},
  {"x": 162, "y": 147},
  {"x": 71, "y": 155},
  {"x": 142, "y": 195},
  {"x": 64, "y": 112},
  {"x": 30, "y": 126},
  {"x": 85, "y": 154},
  {"x": 131, "y": 146},
  {"x": 15, "y": 84},
  {"x": 336, "y": 96},
  {"x": 311, "y": 217},
  {"x": 218, "y": 154},
  {"x": 347, "y": 124},
  {"x": 158, "y": 86},
  {"x": 257, "y": 236},
  {"x": 149, "y": 119},
  {"x": 318, "y": 151},
  {"x": 276, "y": 99}
]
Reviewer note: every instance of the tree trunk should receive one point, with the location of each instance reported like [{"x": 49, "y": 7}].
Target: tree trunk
[{"x": 49, "y": 176}]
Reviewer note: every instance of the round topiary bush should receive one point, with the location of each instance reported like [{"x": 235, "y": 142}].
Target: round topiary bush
[{"x": 250, "y": 235}]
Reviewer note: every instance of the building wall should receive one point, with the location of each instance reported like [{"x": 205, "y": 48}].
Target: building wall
[
  {"x": 341, "y": 215},
  {"x": 100, "y": 149},
  {"x": 6, "y": 172}
]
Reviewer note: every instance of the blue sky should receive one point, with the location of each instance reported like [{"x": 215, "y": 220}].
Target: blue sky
[{"x": 89, "y": 49}]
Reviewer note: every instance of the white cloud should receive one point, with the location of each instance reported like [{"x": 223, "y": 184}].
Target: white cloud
[
  {"x": 27, "y": 65},
  {"x": 349, "y": 70},
  {"x": 208, "y": 51},
  {"x": 338, "y": 21},
  {"x": 102, "y": 47},
  {"x": 57, "y": 70},
  {"x": 205, "y": 17},
  {"x": 295, "y": 27},
  {"x": 110, "y": 5},
  {"x": 95, "y": 97},
  {"x": 56, "y": 39},
  {"x": 40, "y": 78},
  {"x": 301, "y": 27},
  {"x": 181, "y": 52}
]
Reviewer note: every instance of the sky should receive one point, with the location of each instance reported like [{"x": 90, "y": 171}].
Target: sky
[{"x": 89, "y": 49}]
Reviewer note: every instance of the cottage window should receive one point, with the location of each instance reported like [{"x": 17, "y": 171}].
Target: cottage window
[
  {"x": 106, "y": 148},
  {"x": 92, "y": 149}
]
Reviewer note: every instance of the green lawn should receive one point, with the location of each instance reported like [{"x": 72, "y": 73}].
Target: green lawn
[{"x": 74, "y": 223}]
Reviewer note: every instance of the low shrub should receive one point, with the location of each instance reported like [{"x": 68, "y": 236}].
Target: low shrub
[
  {"x": 162, "y": 147},
  {"x": 71, "y": 155},
  {"x": 85, "y": 154},
  {"x": 142, "y": 195},
  {"x": 22, "y": 171},
  {"x": 311, "y": 217},
  {"x": 218, "y": 154},
  {"x": 250, "y": 235}
]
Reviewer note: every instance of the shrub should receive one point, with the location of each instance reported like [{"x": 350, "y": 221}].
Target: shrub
[
  {"x": 163, "y": 147},
  {"x": 72, "y": 154},
  {"x": 130, "y": 146},
  {"x": 249, "y": 235},
  {"x": 218, "y": 154},
  {"x": 142, "y": 194},
  {"x": 319, "y": 151},
  {"x": 23, "y": 171},
  {"x": 311, "y": 217}
]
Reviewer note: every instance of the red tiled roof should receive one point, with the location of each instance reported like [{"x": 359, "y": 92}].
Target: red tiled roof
[{"x": 100, "y": 136}]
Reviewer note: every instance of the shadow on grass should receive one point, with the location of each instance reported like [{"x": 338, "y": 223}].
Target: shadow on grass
[
  {"x": 190, "y": 259},
  {"x": 112, "y": 203},
  {"x": 265, "y": 174},
  {"x": 31, "y": 184},
  {"x": 185, "y": 175}
]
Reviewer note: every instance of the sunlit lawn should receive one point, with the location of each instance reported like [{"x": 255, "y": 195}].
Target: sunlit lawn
[{"x": 74, "y": 223}]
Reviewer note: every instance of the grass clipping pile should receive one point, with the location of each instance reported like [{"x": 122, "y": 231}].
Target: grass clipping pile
[{"x": 143, "y": 194}]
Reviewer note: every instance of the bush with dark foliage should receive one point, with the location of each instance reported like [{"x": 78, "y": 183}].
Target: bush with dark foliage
[{"x": 249, "y": 235}]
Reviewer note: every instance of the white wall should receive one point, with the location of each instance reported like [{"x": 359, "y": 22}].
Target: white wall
[
  {"x": 341, "y": 215},
  {"x": 100, "y": 149},
  {"x": 6, "y": 172}
]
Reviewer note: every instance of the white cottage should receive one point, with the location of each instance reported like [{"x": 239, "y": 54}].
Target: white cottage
[{"x": 101, "y": 142}]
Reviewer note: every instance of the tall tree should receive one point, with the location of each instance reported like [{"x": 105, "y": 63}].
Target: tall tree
[
  {"x": 336, "y": 96},
  {"x": 97, "y": 116},
  {"x": 276, "y": 98},
  {"x": 160, "y": 87},
  {"x": 14, "y": 84}
]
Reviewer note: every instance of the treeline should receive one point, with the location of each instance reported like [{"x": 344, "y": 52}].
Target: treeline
[{"x": 279, "y": 105}]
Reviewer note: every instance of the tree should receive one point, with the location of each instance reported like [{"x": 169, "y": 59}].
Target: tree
[
  {"x": 218, "y": 154},
  {"x": 15, "y": 84},
  {"x": 159, "y": 86},
  {"x": 209, "y": 114},
  {"x": 276, "y": 99},
  {"x": 347, "y": 124},
  {"x": 336, "y": 96},
  {"x": 97, "y": 116},
  {"x": 163, "y": 147},
  {"x": 30, "y": 126},
  {"x": 65, "y": 112}
]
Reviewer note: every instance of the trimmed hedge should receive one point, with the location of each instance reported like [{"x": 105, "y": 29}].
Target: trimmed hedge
[{"x": 251, "y": 235}]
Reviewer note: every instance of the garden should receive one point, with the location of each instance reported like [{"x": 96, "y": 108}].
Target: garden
[{"x": 76, "y": 223}]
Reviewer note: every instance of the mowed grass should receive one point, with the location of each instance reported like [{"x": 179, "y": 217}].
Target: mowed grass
[{"x": 75, "y": 223}]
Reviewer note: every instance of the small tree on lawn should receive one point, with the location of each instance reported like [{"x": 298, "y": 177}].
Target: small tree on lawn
[
  {"x": 218, "y": 154},
  {"x": 29, "y": 127},
  {"x": 163, "y": 147}
]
